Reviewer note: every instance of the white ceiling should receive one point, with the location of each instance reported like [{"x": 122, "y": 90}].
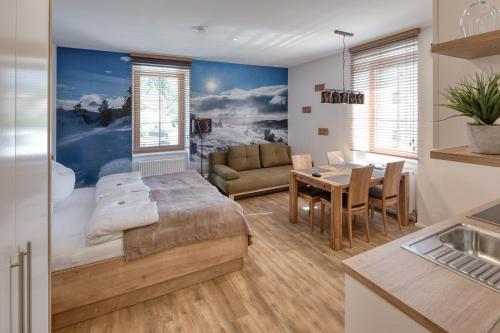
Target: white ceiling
[{"x": 261, "y": 32}]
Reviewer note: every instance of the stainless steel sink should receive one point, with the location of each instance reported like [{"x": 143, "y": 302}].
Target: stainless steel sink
[{"x": 464, "y": 249}]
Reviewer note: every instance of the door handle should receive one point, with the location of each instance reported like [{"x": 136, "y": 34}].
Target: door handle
[
  {"x": 28, "y": 287},
  {"x": 22, "y": 322}
]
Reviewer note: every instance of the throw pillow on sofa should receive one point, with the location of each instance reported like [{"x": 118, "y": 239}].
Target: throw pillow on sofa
[
  {"x": 226, "y": 172},
  {"x": 274, "y": 154},
  {"x": 241, "y": 158}
]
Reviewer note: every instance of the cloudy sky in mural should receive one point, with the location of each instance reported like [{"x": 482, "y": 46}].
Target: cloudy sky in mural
[
  {"x": 89, "y": 76},
  {"x": 247, "y": 104}
]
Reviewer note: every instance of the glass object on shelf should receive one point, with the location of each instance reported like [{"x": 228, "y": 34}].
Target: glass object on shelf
[{"x": 478, "y": 18}]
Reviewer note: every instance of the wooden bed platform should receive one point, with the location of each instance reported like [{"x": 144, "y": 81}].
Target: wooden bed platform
[{"x": 89, "y": 291}]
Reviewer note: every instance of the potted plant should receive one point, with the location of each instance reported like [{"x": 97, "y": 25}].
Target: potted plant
[{"x": 479, "y": 99}]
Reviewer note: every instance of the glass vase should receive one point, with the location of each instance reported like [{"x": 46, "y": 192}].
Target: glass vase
[{"x": 478, "y": 18}]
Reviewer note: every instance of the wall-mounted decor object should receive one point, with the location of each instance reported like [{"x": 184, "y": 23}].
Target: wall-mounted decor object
[
  {"x": 341, "y": 96},
  {"x": 323, "y": 131},
  {"x": 306, "y": 109},
  {"x": 247, "y": 104},
  {"x": 94, "y": 112},
  {"x": 319, "y": 87},
  {"x": 478, "y": 18},
  {"x": 477, "y": 98}
]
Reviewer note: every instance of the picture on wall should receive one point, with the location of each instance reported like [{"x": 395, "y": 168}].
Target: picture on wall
[
  {"x": 247, "y": 104},
  {"x": 94, "y": 106}
]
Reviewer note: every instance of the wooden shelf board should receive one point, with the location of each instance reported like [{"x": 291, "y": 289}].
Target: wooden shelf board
[
  {"x": 464, "y": 155},
  {"x": 473, "y": 47}
]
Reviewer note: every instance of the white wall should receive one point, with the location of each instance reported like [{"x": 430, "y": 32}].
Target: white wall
[
  {"x": 303, "y": 127},
  {"x": 446, "y": 188}
]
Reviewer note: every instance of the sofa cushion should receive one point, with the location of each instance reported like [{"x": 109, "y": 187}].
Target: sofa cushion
[
  {"x": 226, "y": 172},
  {"x": 251, "y": 180},
  {"x": 241, "y": 158},
  {"x": 273, "y": 154}
]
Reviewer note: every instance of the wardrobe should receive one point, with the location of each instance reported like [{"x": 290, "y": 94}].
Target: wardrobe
[{"x": 24, "y": 165}]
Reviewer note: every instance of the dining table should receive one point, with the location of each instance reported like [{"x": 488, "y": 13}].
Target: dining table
[{"x": 335, "y": 180}]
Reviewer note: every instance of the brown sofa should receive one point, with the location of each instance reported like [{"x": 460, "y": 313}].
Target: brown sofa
[{"x": 243, "y": 171}]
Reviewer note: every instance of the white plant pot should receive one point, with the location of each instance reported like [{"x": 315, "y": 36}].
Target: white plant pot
[{"x": 484, "y": 139}]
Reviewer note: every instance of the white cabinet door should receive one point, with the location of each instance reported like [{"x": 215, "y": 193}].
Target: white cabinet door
[
  {"x": 7, "y": 160},
  {"x": 32, "y": 161}
]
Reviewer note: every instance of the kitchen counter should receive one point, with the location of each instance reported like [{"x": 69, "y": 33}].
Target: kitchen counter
[{"x": 436, "y": 298}]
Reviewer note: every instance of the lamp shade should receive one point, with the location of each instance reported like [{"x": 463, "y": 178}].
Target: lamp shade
[{"x": 202, "y": 125}]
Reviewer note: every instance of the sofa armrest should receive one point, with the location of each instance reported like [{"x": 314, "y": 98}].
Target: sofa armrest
[{"x": 225, "y": 172}]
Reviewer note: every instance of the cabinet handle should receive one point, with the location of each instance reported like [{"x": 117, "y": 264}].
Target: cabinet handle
[
  {"x": 28, "y": 287},
  {"x": 20, "y": 284},
  {"x": 21, "y": 294}
]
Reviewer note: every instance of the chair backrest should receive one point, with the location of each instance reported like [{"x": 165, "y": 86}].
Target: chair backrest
[
  {"x": 359, "y": 186},
  {"x": 301, "y": 162},
  {"x": 392, "y": 178},
  {"x": 335, "y": 157}
]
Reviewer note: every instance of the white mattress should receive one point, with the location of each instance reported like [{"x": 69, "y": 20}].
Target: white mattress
[{"x": 69, "y": 227}]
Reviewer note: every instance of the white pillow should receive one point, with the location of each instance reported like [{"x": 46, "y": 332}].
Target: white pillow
[{"x": 63, "y": 183}]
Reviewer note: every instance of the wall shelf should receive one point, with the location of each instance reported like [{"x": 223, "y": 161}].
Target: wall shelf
[
  {"x": 464, "y": 155},
  {"x": 473, "y": 47}
]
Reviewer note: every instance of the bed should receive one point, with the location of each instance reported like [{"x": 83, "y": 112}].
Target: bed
[{"x": 190, "y": 244}]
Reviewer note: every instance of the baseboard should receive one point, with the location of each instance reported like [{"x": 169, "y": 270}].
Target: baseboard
[{"x": 420, "y": 226}]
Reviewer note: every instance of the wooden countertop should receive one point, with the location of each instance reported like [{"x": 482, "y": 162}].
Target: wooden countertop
[{"x": 437, "y": 298}]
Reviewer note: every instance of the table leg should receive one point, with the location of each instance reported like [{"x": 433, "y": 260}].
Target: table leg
[
  {"x": 404, "y": 199},
  {"x": 336, "y": 218},
  {"x": 293, "y": 199}
]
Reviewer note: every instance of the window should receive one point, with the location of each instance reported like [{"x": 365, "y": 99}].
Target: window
[
  {"x": 387, "y": 72},
  {"x": 161, "y": 104}
]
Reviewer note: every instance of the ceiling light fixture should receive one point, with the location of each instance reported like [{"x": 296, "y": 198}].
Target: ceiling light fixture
[
  {"x": 200, "y": 28},
  {"x": 342, "y": 96}
]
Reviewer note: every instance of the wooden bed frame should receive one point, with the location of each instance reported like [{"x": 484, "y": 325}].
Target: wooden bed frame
[{"x": 92, "y": 290}]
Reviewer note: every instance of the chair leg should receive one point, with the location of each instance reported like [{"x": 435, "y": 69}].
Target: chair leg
[
  {"x": 311, "y": 216},
  {"x": 367, "y": 226},
  {"x": 398, "y": 214},
  {"x": 372, "y": 209},
  {"x": 384, "y": 218},
  {"x": 322, "y": 217},
  {"x": 349, "y": 220}
]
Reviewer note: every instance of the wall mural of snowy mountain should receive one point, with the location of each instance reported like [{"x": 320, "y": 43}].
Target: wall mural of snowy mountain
[
  {"x": 94, "y": 108},
  {"x": 247, "y": 104}
]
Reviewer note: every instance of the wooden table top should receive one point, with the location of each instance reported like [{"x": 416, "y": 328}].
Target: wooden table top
[
  {"x": 338, "y": 175},
  {"x": 439, "y": 299}
]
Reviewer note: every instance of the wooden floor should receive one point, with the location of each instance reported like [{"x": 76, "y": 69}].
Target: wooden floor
[{"x": 292, "y": 282}]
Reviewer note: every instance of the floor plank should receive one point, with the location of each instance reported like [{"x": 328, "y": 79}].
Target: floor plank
[{"x": 291, "y": 282}]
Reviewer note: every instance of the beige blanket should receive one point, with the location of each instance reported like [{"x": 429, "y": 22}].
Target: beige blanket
[{"x": 190, "y": 210}]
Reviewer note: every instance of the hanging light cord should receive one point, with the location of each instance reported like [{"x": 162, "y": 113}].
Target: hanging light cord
[{"x": 343, "y": 64}]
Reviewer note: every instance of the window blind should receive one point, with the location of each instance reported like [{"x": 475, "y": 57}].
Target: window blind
[
  {"x": 387, "y": 73},
  {"x": 161, "y": 105}
]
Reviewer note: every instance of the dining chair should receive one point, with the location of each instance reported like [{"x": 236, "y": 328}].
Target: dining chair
[
  {"x": 354, "y": 201},
  {"x": 335, "y": 157},
  {"x": 387, "y": 194},
  {"x": 306, "y": 192}
]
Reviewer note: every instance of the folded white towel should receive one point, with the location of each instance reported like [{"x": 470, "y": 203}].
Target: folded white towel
[
  {"x": 124, "y": 178},
  {"x": 109, "y": 188},
  {"x": 110, "y": 220},
  {"x": 119, "y": 198}
]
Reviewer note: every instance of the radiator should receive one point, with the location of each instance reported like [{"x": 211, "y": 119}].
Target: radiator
[{"x": 155, "y": 167}]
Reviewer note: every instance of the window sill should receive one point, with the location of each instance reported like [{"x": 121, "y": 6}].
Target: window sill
[
  {"x": 168, "y": 154},
  {"x": 375, "y": 158}
]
